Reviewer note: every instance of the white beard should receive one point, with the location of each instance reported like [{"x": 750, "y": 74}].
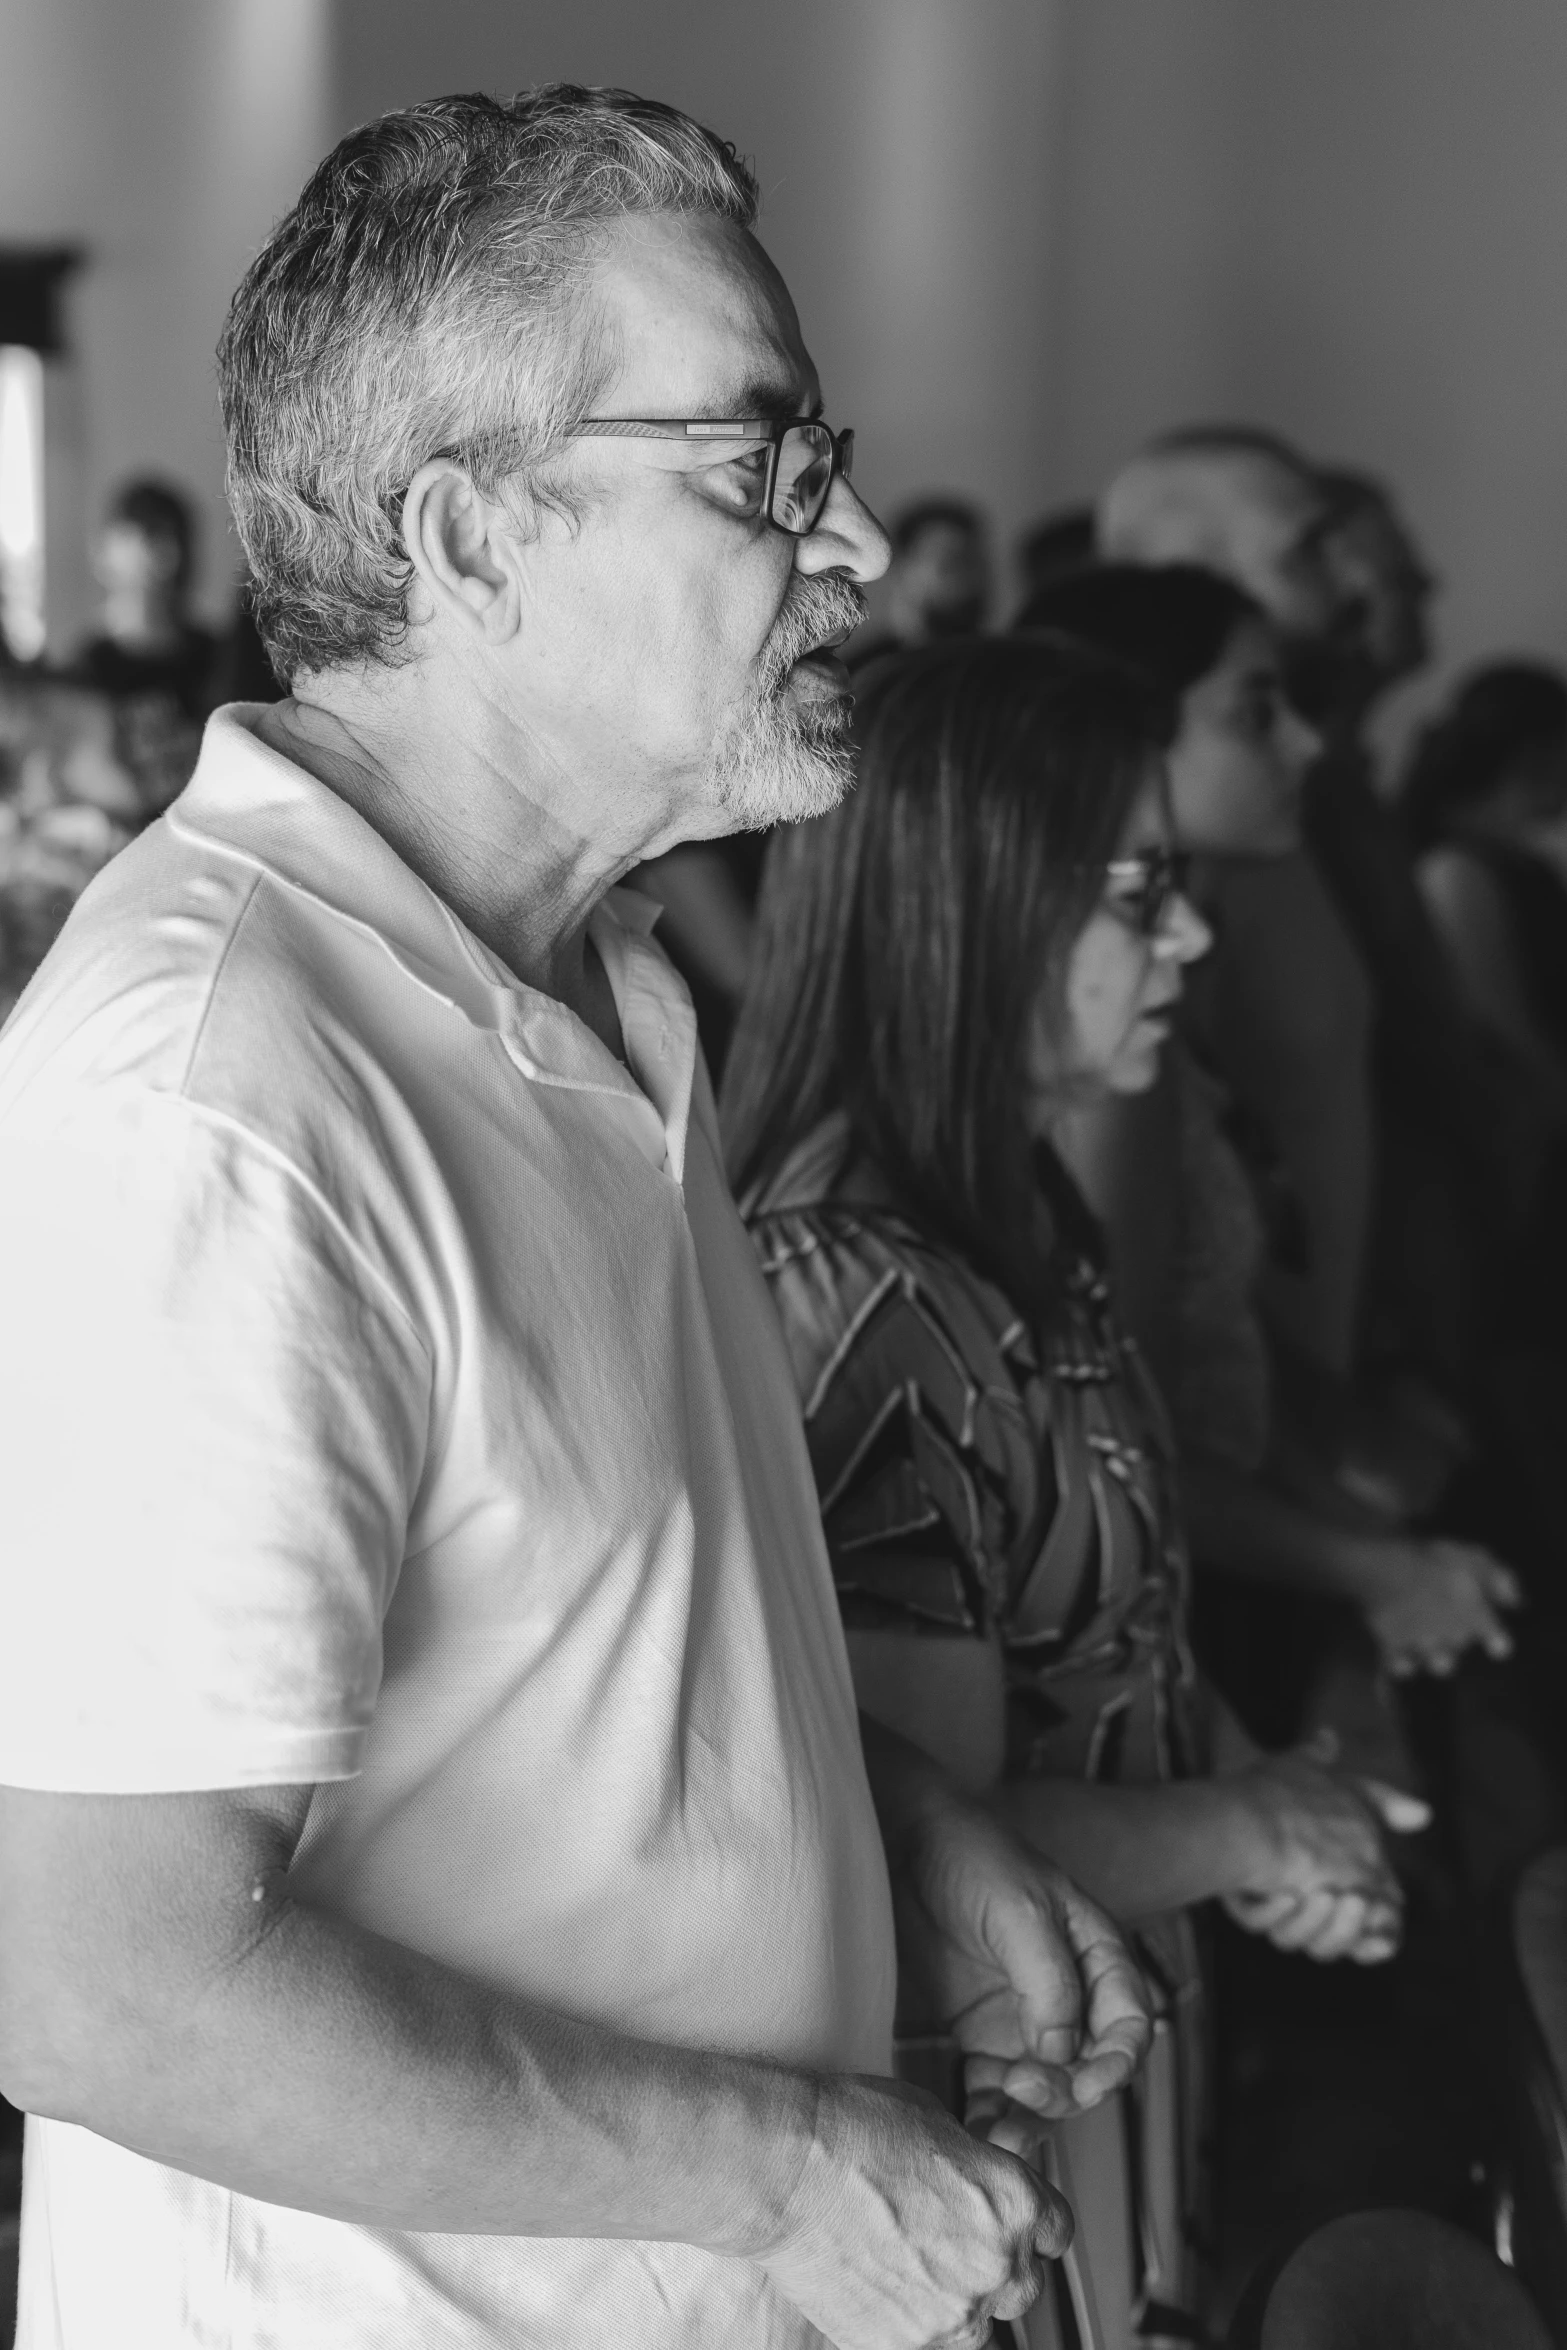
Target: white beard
[
  {"x": 784, "y": 763},
  {"x": 784, "y": 759}
]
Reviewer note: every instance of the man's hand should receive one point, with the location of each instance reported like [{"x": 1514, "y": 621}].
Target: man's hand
[
  {"x": 1441, "y": 1598},
  {"x": 904, "y": 2232},
  {"x": 1031, "y": 1978}
]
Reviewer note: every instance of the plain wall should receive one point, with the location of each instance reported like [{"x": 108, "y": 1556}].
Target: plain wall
[
  {"x": 1346, "y": 219},
  {"x": 164, "y": 136},
  {"x": 1023, "y": 233},
  {"x": 906, "y": 151}
]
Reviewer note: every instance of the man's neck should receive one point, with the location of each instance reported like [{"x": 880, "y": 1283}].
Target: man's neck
[{"x": 520, "y": 882}]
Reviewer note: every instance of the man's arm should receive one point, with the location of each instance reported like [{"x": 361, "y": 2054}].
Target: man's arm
[{"x": 160, "y": 1986}]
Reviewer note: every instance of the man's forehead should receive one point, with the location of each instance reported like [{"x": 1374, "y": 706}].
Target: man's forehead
[{"x": 699, "y": 322}]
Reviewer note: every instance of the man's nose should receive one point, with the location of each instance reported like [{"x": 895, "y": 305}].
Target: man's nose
[{"x": 847, "y": 538}]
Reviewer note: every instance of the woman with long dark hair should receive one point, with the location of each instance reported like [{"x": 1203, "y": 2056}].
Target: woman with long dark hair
[
  {"x": 989, "y": 933},
  {"x": 1194, "y": 1166}
]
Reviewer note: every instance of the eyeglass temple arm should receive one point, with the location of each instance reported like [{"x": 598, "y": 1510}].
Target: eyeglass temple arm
[{"x": 659, "y": 428}]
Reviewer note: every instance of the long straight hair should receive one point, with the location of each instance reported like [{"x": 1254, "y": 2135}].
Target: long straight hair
[{"x": 905, "y": 940}]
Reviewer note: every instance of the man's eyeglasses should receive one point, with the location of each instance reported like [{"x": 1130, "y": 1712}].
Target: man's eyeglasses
[
  {"x": 1144, "y": 888},
  {"x": 804, "y": 458}
]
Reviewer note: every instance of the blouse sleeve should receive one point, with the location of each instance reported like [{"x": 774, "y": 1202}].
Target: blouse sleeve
[{"x": 924, "y": 1468}]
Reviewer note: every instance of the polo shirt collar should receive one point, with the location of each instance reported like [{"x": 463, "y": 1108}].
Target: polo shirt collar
[{"x": 246, "y": 800}]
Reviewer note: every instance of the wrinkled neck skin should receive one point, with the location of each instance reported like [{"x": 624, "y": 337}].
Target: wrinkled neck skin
[{"x": 492, "y": 818}]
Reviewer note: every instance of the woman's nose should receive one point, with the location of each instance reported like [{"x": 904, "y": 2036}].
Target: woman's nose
[
  {"x": 1302, "y": 741},
  {"x": 1185, "y": 935}
]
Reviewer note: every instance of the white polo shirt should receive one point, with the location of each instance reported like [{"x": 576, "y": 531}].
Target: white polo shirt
[{"x": 389, "y": 1399}]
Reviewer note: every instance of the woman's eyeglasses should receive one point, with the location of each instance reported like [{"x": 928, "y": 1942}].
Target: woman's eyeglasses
[
  {"x": 1144, "y": 888},
  {"x": 804, "y": 457}
]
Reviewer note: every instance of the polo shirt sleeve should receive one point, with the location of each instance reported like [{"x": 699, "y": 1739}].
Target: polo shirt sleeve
[{"x": 213, "y": 1417}]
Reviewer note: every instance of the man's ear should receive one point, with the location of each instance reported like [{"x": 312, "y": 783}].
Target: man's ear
[{"x": 463, "y": 547}]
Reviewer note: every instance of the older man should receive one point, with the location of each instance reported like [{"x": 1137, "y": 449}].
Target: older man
[
  {"x": 1243, "y": 503},
  {"x": 443, "y": 1895}
]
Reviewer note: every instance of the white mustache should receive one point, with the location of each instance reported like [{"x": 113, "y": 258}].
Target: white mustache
[{"x": 814, "y": 611}]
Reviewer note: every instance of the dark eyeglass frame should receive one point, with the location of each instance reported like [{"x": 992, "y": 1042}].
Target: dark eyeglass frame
[
  {"x": 1154, "y": 880},
  {"x": 771, "y": 429}
]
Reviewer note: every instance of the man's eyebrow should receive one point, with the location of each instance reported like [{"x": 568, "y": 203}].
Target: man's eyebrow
[{"x": 757, "y": 396}]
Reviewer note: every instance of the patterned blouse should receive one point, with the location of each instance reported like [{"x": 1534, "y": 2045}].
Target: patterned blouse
[{"x": 978, "y": 1476}]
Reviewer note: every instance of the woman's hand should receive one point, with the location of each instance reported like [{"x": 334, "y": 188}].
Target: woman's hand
[
  {"x": 998, "y": 1947},
  {"x": 1440, "y": 1598},
  {"x": 1321, "y": 1882},
  {"x": 1031, "y": 1977}
]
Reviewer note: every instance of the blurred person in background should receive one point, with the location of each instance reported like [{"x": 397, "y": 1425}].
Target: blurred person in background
[
  {"x": 1444, "y": 1187},
  {"x": 986, "y": 938},
  {"x": 1284, "y": 1006},
  {"x": 67, "y": 806},
  {"x": 1242, "y": 502},
  {"x": 939, "y": 581},
  {"x": 1484, "y": 806},
  {"x": 1054, "y": 547},
  {"x": 1358, "y": 1062},
  {"x": 448, "y": 1891},
  {"x": 1194, "y": 1206},
  {"x": 1483, "y": 799},
  {"x": 1384, "y": 580},
  {"x": 149, "y": 654}
]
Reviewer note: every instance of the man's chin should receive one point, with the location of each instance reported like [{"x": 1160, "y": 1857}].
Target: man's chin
[
  {"x": 808, "y": 786},
  {"x": 806, "y": 773}
]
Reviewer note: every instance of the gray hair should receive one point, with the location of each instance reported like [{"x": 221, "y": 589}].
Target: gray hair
[{"x": 418, "y": 302}]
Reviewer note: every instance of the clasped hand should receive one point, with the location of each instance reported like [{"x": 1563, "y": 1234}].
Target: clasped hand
[
  {"x": 1322, "y": 1882},
  {"x": 905, "y": 2230}
]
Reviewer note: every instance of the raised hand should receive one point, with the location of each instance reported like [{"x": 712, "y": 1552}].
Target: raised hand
[{"x": 1442, "y": 1598}]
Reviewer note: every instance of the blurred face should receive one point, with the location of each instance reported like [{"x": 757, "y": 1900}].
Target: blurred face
[
  {"x": 1123, "y": 977},
  {"x": 1378, "y": 569},
  {"x": 677, "y": 654},
  {"x": 128, "y": 561},
  {"x": 944, "y": 581},
  {"x": 1237, "y": 765},
  {"x": 1278, "y": 522}
]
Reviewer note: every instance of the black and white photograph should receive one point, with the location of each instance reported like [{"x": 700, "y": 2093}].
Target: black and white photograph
[{"x": 783, "y": 1175}]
